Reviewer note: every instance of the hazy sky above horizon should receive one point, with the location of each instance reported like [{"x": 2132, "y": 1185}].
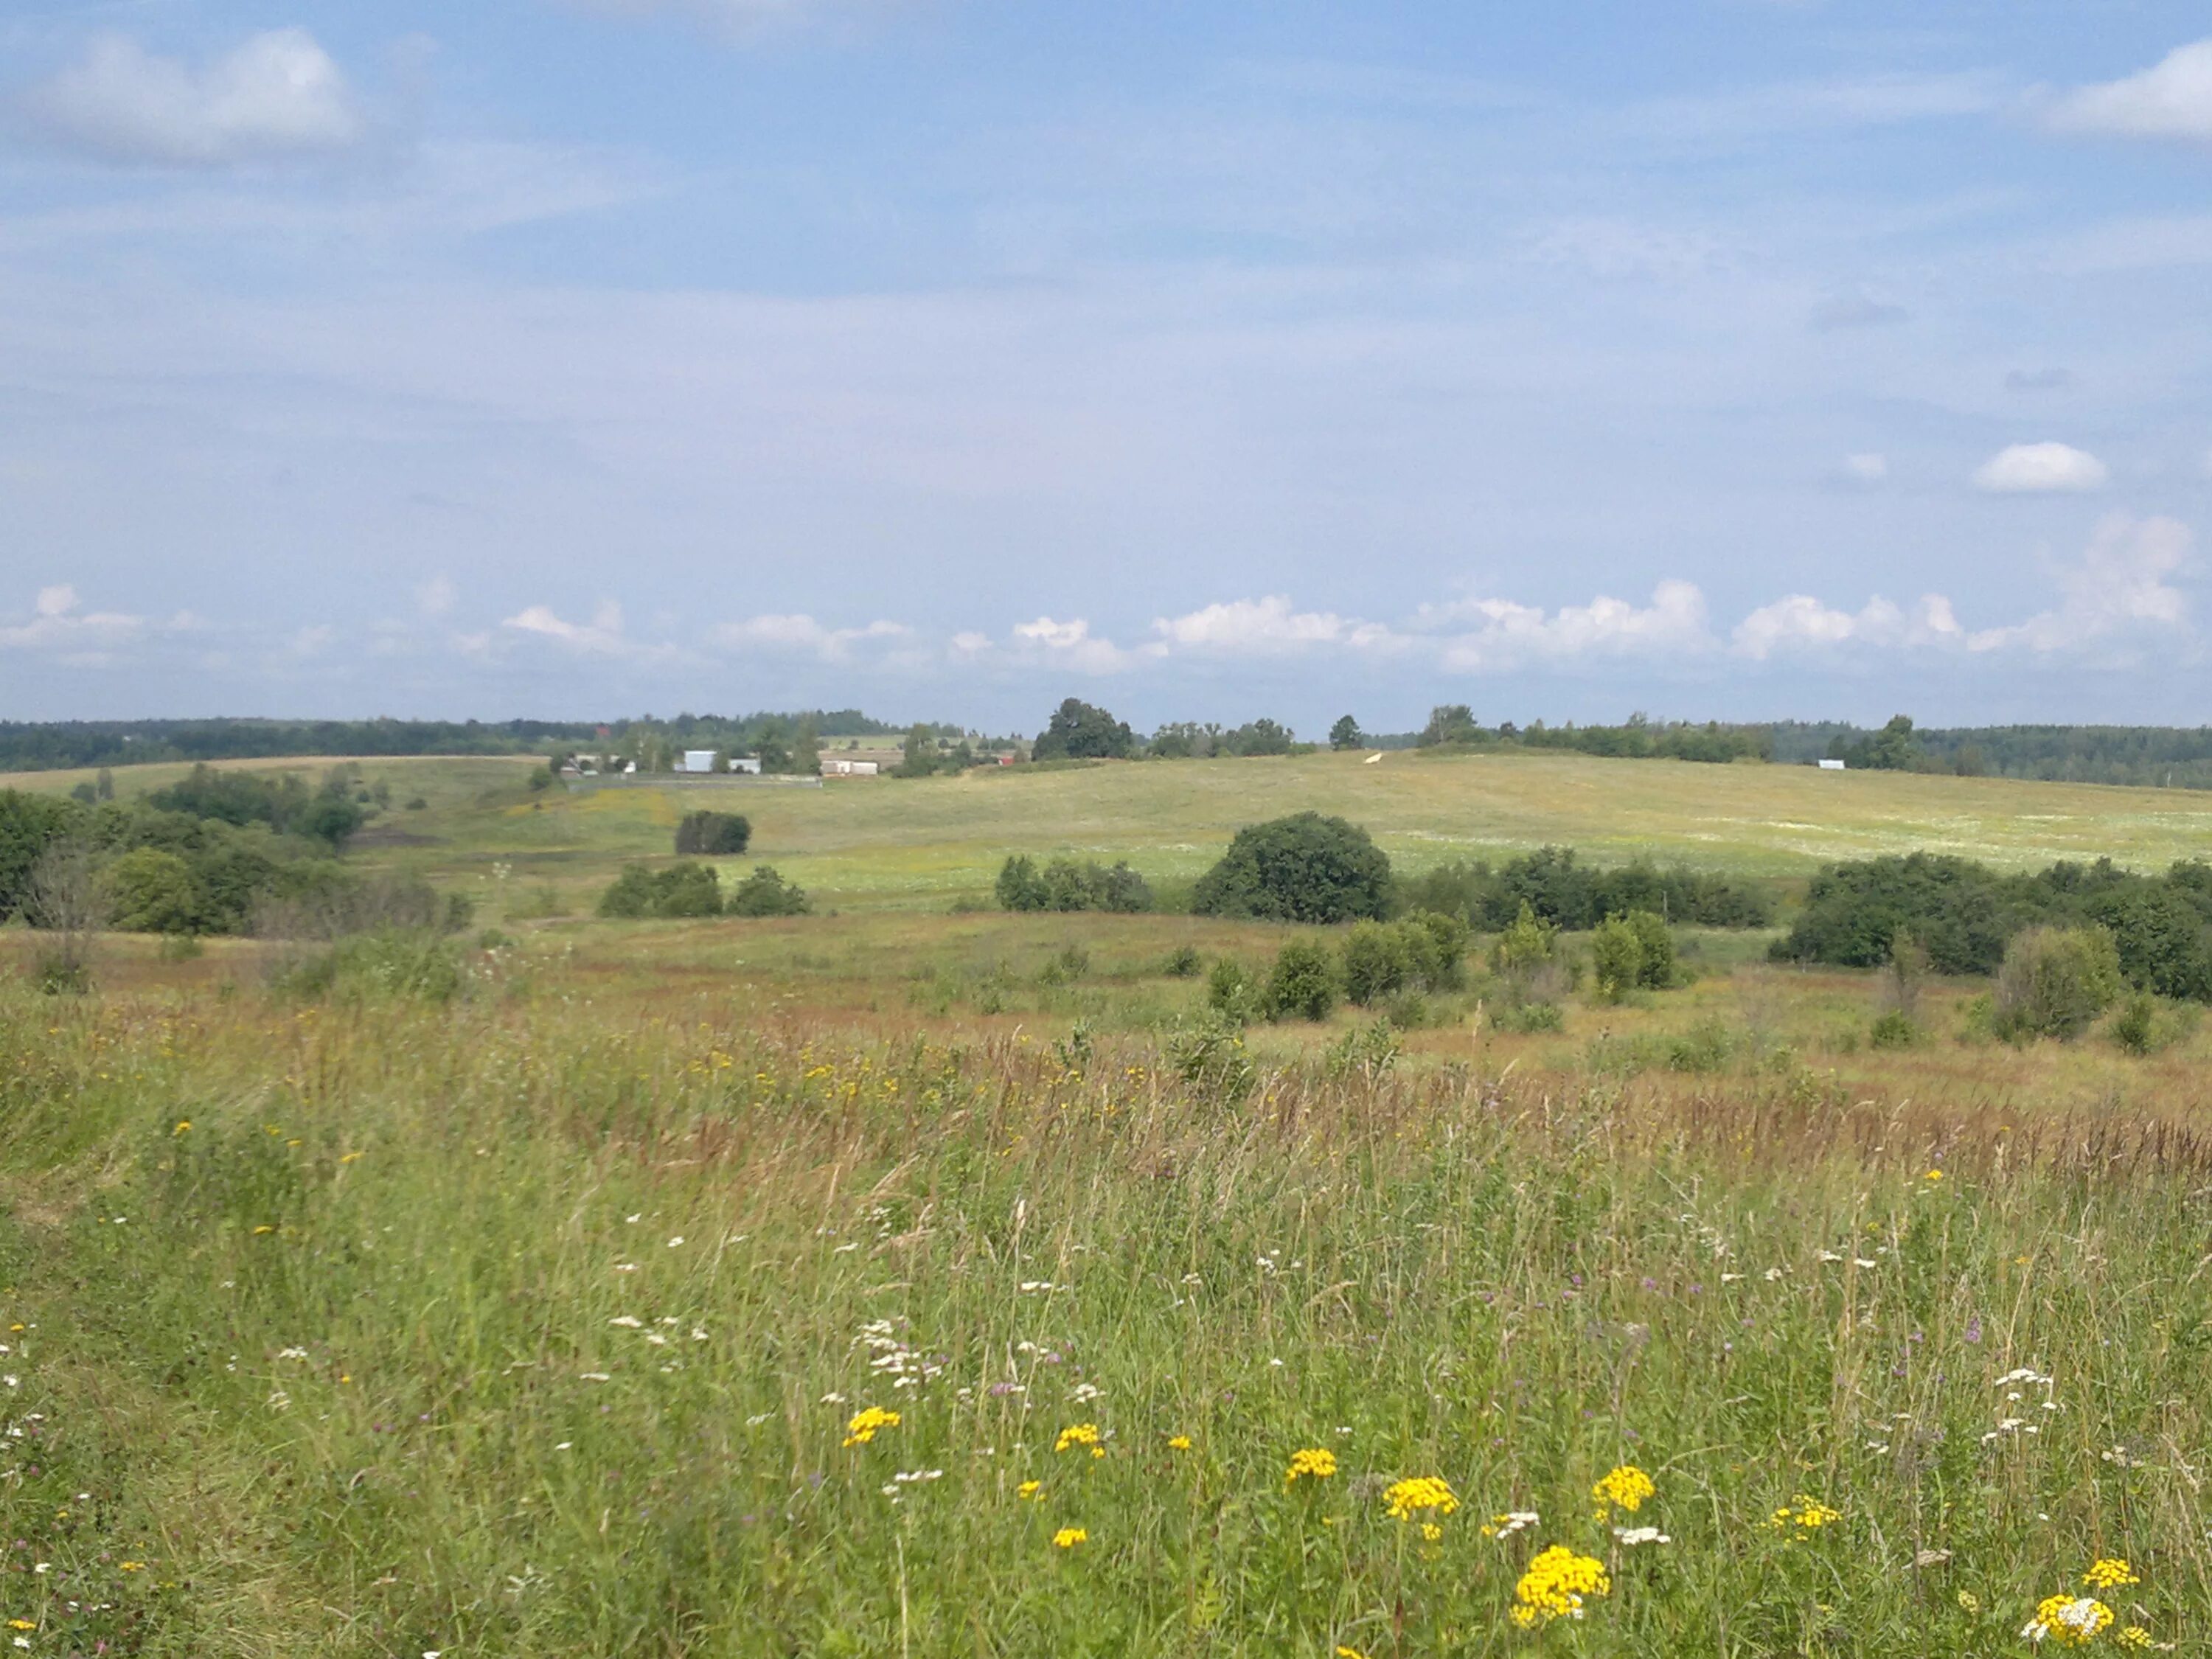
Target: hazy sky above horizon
[{"x": 1203, "y": 358}]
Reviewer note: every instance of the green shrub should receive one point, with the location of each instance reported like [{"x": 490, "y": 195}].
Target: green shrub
[
  {"x": 1210, "y": 1057},
  {"x": 1305, "y": 867},
  {"x": 765, "y": 893},
  {"x": 1234, "y": 993},
  {"x": 1302, "y": 983},
  {"x": 1376, "y": 961},
  {"x": 1368, "y": 1051},
  {"x": 1183, "y": 962},
  {"x": 1528, "y": 944},
  {"x": 1616, "y": 959},
  {"x": 2136, "y": 1027},
  {"x": 681, "y": 890},
  {"x": 1894, "y": 1030},
  {"x": 2054, "y": 982},
  {"x": 150, "y": 892},
  {"x": 1657, "y": 969},
  {"x": 1705, "y": 1047},
  {"x": 1068, "y": 886},
  {"x": 713, "y": 834},
  {"x": 1528, "y": 1018}
]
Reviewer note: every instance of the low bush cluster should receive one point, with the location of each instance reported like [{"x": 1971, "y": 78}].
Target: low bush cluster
[
  {"x": 1964, "y": 915},
  {"x": 712, "y": 835},
  {"x": 1068, "y": 885},
  {"x": 690, "y": 889},
  {"x": 1556, "y": 888}
]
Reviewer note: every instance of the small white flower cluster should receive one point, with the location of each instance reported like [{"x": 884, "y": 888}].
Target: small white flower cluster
[
  {"x": 905, "y": 1365},
  {"x": 906, "y": 1478},
  {"x": 1633, "y": 1536},
  {"x": 2008, "y": 1425},
  {"x": 1513, "y": 1521}
]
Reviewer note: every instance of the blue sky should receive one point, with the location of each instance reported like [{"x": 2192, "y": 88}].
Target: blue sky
[{"x": 1729, "y": 358}]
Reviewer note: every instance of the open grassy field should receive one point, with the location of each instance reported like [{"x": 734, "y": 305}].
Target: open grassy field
[
  {"x": 900, "y": 1279},
  {"x": 921, "y": 843}
]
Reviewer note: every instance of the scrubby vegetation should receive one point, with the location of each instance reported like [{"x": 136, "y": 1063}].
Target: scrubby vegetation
[
  {"x": 712, "y": 835},
  {"x": 1962, "y": 913},
  {"x": 1558, "y": 888},
  {"x": 690, "y": 889},
  {"x": 1069, "y": 885}
]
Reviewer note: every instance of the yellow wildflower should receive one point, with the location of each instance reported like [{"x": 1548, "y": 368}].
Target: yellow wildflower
[
  {"x": 1624, "y": 1488},
  {"x": 1028, "y": 1489},
  {"x": 863, "y": 1427},
  {"x": 1933, "y": 1174},
  {"x": 131, "y": 1566},
  {"x": 1404, "y": 1499},
  {"x": 1969, "y": 1603},
  {"x": 1808, "y": 1515},
  {"x": 1078, "y": 1434},
  {"x": 2110, "y": 1573},
  {"x": 1314, "y": 1462},
  {"x": 1554, "y": 1585},
  {"x": 22, "y": 1624},
  {"x": 1179, "y": 1443},
  {"x": 2135, "y": 1636},
  {"x": 1432, "y": 1531},
  {"x": 2072, "y": 1621},
  {"x": 1068, "y": 1537},
  {"x": 258, "y": 1231},
  {"x": 183, "y": 1124}
]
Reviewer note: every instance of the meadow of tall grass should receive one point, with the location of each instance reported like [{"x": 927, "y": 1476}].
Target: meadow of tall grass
[{"x": 532, "y": 1324}]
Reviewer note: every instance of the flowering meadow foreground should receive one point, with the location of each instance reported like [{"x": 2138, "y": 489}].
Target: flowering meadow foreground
[{"x": 516, "y": 1327}]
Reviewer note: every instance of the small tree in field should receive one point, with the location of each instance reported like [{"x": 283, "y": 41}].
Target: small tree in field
[
  {"x": 1302, "y": 983},
  {"x": 65, "y": 903},
  {"x": 1616, "y": 959},
  {"x": 2054, "y": 982},
  {"x": 713, "y": 834},
  {"x": 1301, "y": 868},
  {"x": 1346, "y": 734}
]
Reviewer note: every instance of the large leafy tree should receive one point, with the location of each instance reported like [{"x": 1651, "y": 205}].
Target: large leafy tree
[
  {"x": 1306, "y": 867},
  {"x": 1081, "y": 731}
]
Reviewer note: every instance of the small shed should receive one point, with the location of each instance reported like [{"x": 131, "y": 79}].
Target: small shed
[{"x": 697, "y": 760}]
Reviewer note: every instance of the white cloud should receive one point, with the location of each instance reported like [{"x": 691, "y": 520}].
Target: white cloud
[
  {"x": 1071, "y": 645},
  {"x": 1508, "y": 634},
  {"x": 277, "y": 94},
  {"x": 2040, "y": 469},
  {"x": 1267, "y": 626},
  {"x": 802, "y": 634},
  {"x": 602, "y": 636},
  {"x": 437, "y": 597},
  {"x": 2173, "y": 99},
  {"x": 57, "y": 623},
  {"x": 1800, "y": 622},
  {"x": 2120, "y": 587},
  {"x": 1866, "y": 469}
]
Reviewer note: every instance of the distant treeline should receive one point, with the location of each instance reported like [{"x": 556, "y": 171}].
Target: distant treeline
[
  {"x": 50, "y": 746},
  {"x": 1963, "y": 914},
  {"x": 2158, "y": 757}
]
